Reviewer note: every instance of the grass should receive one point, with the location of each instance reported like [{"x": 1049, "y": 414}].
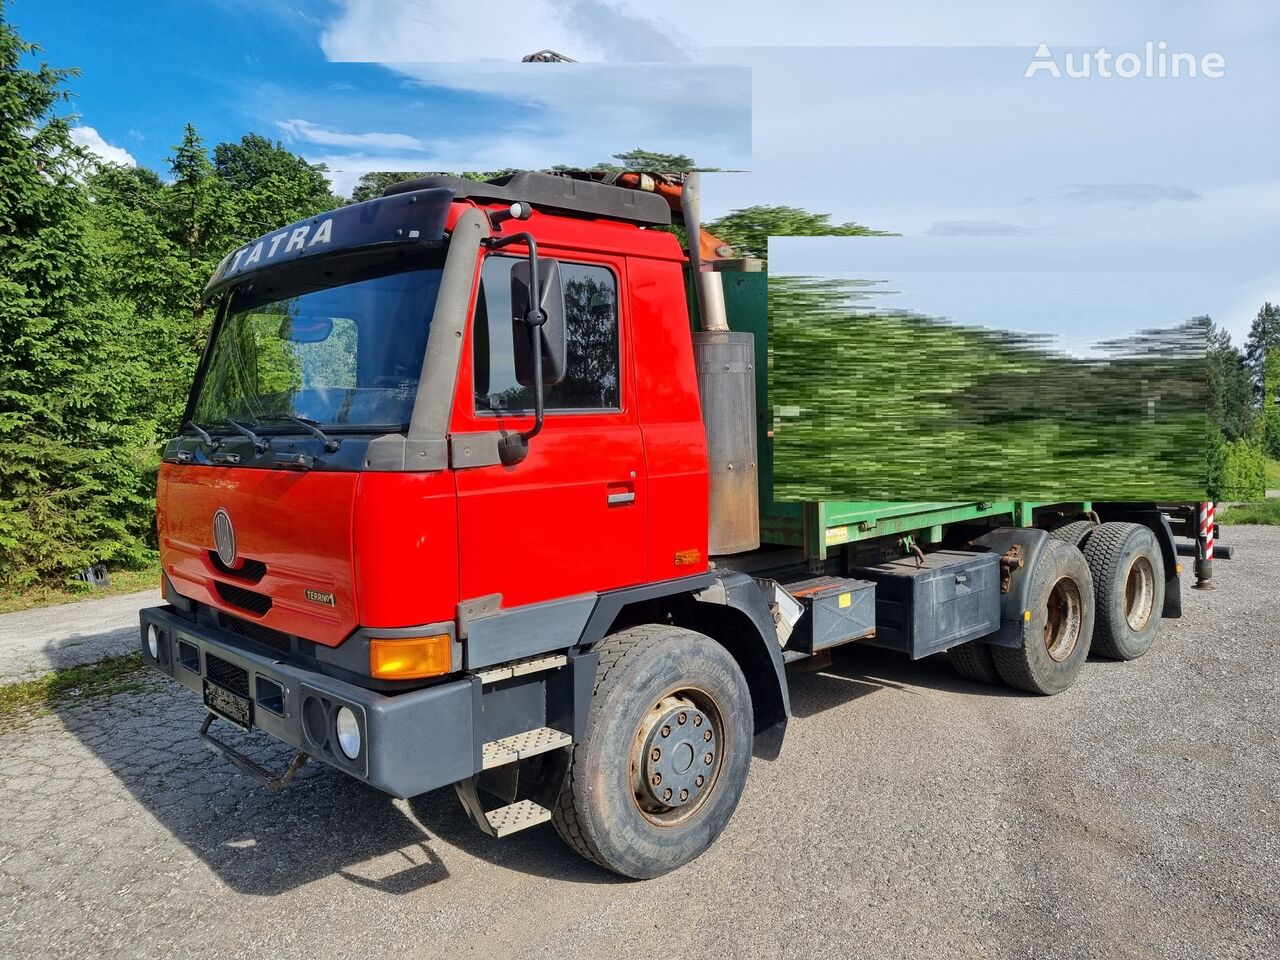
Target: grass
[
  {"x": 47, "y": 594},
  {"x": 122, "y": 674},
  {"x": 1267, "y": 513}
]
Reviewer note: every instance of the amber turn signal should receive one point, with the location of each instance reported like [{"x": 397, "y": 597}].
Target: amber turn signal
[
  {"x": 411, "y": 657},
  {"x": 686, "y": 557}
]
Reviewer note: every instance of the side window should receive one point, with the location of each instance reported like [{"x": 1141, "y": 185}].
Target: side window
[{"x": 591, "y": 322}]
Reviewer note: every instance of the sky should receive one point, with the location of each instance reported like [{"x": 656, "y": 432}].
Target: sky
[
  {"x": 148, "y": 67},
  {"x": 913, "y": 117}
]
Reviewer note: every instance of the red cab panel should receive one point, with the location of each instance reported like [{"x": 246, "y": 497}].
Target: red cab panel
[
  {"x": 406, "y": 548},
  {"x": 670, "y": 417},
  {"x": 293, "y": 565}
]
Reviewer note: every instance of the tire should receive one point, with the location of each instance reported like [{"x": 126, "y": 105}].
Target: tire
[
  {"x": 973, "y": 661},
  {"x": 1056, "y": 638},
  {"x": 1074, "y": 532},
  {"x": 1128, "y": 582},
  {"x": 653, "y": 678}
]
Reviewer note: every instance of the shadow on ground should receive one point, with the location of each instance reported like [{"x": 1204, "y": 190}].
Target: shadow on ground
[{"x": 267, "y": 843}]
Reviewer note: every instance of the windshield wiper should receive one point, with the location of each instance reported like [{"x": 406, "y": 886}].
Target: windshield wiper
[
  {"x": 310, "y": 426},
  {"x": 210, "y": 441},
  {"x": 259, "y": 445}
]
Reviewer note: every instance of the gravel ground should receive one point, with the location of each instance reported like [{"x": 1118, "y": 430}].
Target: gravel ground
[
  {"x": 36, "y": 641},
  {"x": 911, "y": 814}
]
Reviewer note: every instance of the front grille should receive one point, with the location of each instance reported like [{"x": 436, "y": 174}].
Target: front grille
[
  {"x": 225, "y": 674},
  {"x": 249, "y": 600},
  {"x": 256, "y": 632},
  {"x": 250, "y": 571}
]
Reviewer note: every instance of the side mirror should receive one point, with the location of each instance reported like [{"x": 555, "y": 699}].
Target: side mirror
[{"x": 551, "y": 294}]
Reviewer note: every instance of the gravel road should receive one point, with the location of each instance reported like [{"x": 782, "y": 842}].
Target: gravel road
[
  {"x": 911, "y": 814},
  {"x": 36, "y": 641}
]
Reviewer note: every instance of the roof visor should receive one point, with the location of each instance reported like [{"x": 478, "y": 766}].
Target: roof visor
[{"x": 412, "y": 218}]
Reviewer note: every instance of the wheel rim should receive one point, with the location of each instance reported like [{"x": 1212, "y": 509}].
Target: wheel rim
[
  {"x": 1064, "y": 613},
  {"x": 677, "y": 756},
  {"x": 1139, "y": 593}
]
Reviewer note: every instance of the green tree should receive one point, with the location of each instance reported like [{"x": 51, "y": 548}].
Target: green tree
[
  {"x": 72, "y": 488},
  {"x": 268, "y": 186},
  {"x": 748, "y": 230},
  {"x": 1271, "y": 404},
  {"x": 371, "y": 185},
  {"x": 1264, "y": 337}
]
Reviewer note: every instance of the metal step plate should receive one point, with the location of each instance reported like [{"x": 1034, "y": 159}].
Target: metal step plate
[
  {"x": 522, "y": 667},
  {"x": 521, "y": 745},
  {"x": 517, "y": 816}
]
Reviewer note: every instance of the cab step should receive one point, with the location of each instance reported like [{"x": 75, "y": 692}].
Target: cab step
[
  {"x": 516, "y": 816},
  {"x": 502, "y": 777},
  {"x": 530, "y": 743},
  {"x": 521, "y": 668}
]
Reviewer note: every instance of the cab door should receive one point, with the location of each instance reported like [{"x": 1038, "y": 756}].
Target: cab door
[{"x": 570, "y": 518}]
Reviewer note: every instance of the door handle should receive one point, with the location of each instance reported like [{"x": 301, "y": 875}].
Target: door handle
[{"x": 620, "y": 499}]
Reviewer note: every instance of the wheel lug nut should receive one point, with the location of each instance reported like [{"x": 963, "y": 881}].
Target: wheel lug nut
[
  {"x": 706, "y": 735},
  {"x": 656, "y": 755},
  {"x": 697, "y": 719},
  {"x": 666, "y": 730},
  {"x": 666, "y": 794},
  {"x": 707, "y": 759},
  {"x": 684, "y": 795},
  {"x": 682, "y": 718},
  {"x": 699, "y": 780},
  {"x": 657, "y": 779}
]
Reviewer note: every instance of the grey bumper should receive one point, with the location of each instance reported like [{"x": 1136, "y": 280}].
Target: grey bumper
[{"x": 410, "y": 743}]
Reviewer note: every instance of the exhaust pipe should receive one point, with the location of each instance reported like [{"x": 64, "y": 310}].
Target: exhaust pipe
[
  {"x": 727, "y": 387},
  {"x": 707, "y": 285}
]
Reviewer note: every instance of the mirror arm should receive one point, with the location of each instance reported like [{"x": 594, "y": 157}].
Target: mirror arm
[{"x": 515, "y": 447}]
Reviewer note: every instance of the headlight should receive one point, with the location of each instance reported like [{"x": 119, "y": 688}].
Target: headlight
[
  {"x": 153, "y": 641},
  {"x": 348, "y": 733}
]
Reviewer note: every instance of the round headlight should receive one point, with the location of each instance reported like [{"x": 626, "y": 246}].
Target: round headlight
[
  {"x": 153, "y": 641},
  {"x": 348, "y": 733}
]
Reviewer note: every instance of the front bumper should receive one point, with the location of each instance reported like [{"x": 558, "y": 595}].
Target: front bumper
[{"x": 409, "y": 743}]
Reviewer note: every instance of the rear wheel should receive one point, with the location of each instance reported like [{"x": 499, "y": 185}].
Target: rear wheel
[
  {"x": 1128, "y": 579},
  {"x": 1074, "y": 532},
  {"x": 973, "y": 661},
  {"x": 1058, "y": 629},
  {"x": 665, "y": 756}
]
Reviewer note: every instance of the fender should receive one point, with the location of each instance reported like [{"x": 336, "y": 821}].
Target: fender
[
  {"x": 1012, "y": 603},
  {"x": 730, "y": 608}
]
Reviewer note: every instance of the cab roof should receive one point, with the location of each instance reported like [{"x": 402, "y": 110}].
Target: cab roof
[{"x": 549, "y": 192}]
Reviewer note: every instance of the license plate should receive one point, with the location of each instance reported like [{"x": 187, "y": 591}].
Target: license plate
[{"x": 229, "y": 706}]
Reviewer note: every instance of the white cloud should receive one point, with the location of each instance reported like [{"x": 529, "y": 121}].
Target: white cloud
[
  {"x": 324, "y": 136},
  {"x": 92, "y": 141},
  {"x": 502, "y": 30},
  {"x": 545, "y": 117},
  {"x": 646, "y": 31}
]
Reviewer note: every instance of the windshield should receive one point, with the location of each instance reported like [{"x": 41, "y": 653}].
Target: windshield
[{"x": 345, "y": 356}]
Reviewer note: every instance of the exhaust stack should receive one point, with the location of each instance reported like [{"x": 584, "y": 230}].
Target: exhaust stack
[{"x": 726, "y": 363}]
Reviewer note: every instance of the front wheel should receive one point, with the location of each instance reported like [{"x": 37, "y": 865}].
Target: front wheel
[{"x": 665, "y": 756}]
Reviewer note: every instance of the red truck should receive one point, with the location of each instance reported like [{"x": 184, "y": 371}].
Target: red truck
[{"x": 463, "y": 498}]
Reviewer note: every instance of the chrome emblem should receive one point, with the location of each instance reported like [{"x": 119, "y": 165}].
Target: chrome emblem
[
  {"x": 224, "y": 537},
  {"x": 318, "y": 596}
]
